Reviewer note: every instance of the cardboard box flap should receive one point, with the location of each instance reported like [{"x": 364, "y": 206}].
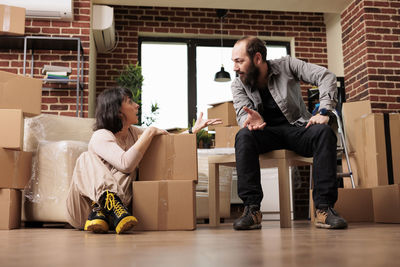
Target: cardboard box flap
[{"x": 220, "y": 102}]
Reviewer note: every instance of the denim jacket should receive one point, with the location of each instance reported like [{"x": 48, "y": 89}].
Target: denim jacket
[{"x": 284, "y": 76}]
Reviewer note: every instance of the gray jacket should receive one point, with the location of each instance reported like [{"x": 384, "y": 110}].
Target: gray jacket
[{"x": 284, "y": 76}]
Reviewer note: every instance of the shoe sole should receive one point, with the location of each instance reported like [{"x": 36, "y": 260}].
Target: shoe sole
[
  {"x": 253, "y": 227},
  {"x": 126, "y": 224},
  {"x": 327, "y": 226},
  {"x": 97, "y": 226}
]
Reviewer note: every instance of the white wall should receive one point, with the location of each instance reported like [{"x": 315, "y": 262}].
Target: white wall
[{"x": 334, "y": 43}]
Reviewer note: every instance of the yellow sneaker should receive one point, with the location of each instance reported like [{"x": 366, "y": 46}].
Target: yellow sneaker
[
  {"x": 122, "y": 219},
  {"x": 97, "y": 222}
]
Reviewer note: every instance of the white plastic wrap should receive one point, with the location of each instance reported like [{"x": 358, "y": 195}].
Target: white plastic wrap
[
  {"x": 46, "y": 127},
  {"x": 46, "y": 193},
  {"x": 56, "y": 143}
]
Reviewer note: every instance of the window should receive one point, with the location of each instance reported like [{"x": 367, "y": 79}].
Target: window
[
  {"x": 179, "y": 76},
  {"x": 164, "y": 69}
]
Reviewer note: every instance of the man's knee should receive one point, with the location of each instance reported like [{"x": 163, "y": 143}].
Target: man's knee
[
  {"x": 243, "y": 135},
  {"x": 325, "y": 131}
]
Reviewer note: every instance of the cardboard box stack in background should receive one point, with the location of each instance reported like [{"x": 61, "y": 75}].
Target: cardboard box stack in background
[
  {"x": 12, "y": 20},
  {"x": 20, "y": 96},
  {"x": 224, "y": 133},
  {"x": 164, "y": 195},
  {"x": 374, "y": 150},
  {"x": 224, "y": 111}
]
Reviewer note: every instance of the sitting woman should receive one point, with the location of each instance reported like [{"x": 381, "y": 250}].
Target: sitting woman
[{"x": 101, "y": 185}]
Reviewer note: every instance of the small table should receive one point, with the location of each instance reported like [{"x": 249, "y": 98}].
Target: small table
[{"x": 282, "y": 159}]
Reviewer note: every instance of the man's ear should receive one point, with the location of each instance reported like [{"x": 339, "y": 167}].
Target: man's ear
[{"x": 257, "y": 58}]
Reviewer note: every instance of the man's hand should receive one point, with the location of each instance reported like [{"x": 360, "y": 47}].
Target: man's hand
[
  {"x": 254, "y": 120},
  {"x": 201, "y": 123},
  {"x": 318, "y": 119}
]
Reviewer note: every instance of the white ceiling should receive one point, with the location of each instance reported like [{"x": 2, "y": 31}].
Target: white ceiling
[{"x": 324, "y": 6}]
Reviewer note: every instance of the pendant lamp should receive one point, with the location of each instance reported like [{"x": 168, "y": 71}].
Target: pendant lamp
[{"x": 222, "y": 75}]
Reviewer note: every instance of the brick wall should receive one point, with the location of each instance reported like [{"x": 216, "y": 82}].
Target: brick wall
[
  {"x": 371, "y": 50},
  {"x": 59, "y": 101}
]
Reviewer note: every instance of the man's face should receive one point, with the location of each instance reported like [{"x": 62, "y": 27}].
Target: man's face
[{"x": 246, "y": 69}]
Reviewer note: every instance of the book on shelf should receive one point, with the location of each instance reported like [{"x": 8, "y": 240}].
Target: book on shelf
[
  {"x": 56, "y": 77},
  {"x": 57, "y": 73},
  {"x": 51, "y": 68}
]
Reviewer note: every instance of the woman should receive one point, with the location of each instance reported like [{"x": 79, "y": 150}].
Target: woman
[{"x": 101, "y": 183}]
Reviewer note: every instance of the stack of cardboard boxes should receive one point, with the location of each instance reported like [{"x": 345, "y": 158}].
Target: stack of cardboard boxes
[
  {"x": 374, "y": 151},
  {"x": 164, "y": 195},
  {"x": 224, "y": 133},
  {"x": 19, "y": 97},
  {"x": 374, "y": 145}
]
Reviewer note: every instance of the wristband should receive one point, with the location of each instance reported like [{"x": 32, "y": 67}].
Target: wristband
[{"x": 190, "y": 130}]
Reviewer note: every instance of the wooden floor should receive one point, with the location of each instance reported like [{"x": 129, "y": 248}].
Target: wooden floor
[{"x": 303, "y": 245}]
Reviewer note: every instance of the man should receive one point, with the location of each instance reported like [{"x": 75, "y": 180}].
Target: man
[{"x": 272, "y": 114}]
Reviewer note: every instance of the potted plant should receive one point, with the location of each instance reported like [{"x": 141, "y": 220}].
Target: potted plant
[
  {"x": 204, "y": 139},
  {"x": 131, "y": 77}
]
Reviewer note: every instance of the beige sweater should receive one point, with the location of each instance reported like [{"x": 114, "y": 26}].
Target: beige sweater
[{"x": 118, "y": 153}]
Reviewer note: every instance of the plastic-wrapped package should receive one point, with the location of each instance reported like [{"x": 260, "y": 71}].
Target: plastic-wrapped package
[
  {"x": 225, "y": 183},
  {"x": 56, "y": 143},
  {"x": 46, "y": 127},
  {"x": 46, "y": 193}
]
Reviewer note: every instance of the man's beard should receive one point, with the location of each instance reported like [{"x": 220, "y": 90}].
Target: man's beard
[{"x": 251, "y": 77}]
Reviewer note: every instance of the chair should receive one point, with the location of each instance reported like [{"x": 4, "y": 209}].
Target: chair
[{"x": 283, "y": 159}]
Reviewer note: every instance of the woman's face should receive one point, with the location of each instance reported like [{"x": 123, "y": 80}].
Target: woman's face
[{"x": 129, "y": 110}]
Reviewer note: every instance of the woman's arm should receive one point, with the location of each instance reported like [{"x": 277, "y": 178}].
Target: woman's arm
[
  {"x": 145, "y": 138},
  {"x": 104, "y": 144}
]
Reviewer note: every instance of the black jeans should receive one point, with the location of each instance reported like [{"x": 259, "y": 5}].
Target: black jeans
[{"x": 318, "y": 141}]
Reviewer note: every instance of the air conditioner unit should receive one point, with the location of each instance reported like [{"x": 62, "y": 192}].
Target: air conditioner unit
[
  {"x": 103, "y": 28},
  {"x": 45, "y": 9}
]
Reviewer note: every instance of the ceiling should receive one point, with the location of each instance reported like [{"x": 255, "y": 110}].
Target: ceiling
[{"x": 323, "y": 6}]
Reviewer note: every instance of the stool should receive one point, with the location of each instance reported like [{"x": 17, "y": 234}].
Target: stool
[{"x": 282, "y": 159}]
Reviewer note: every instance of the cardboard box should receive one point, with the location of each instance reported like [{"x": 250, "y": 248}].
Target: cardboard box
[
  {"x": 10, "y": 208},
  {"x": 224, "y": 111},
  {"x": 12, "y": 20},
  {"x": 19, "y": 92},
  {"x": 164, "y": 205},
  {"x": 15, "y": 168},
  {"x": 386, "y": 203},
  {"x": 351, "y": 112},
  {"x": 170, "y": 157},
  {"x": 354, "y": 205},
  {"x": 12, "y": 128},
  {"x": 373, "y": 169},
  {"x": 394, "y": 121},
  {"x": 225, "y": 136}
]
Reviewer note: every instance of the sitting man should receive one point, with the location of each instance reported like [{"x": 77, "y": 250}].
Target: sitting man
[{"x": 270, "y": 109}]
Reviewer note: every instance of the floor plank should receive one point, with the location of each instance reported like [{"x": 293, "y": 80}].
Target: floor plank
[{"x": 303, "y": 245}]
